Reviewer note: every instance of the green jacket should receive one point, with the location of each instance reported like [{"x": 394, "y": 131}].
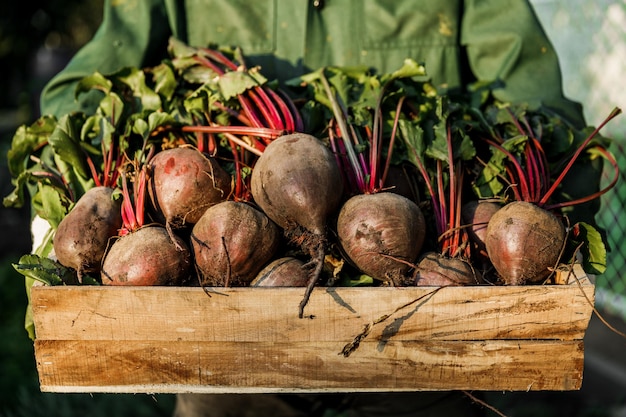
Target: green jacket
[{"x": 459, "y": 42}]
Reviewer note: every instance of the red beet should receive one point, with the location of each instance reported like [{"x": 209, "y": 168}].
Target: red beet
[
  {"x": 435, "y": 269},
  {"x": 381, "y": 234},
  {"x": 297, "y": 183},
  {"x": 183, "y": 183},
  {"x": 232, "y": 242},
  {"x": 524, "y": 242},
  {"x": 147, "y": 256},
  {"x": 283, "y": 272},
  {"x": 81, "y": 238}
]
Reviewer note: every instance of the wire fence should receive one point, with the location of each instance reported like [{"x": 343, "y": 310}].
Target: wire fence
[{"x": 611, "y": 286}]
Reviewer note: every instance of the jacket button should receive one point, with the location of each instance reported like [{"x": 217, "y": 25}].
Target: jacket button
[{"x": 318, "y": 4}]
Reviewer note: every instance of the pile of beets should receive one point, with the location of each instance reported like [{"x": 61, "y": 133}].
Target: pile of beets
[{"x": 202, "y": 172}]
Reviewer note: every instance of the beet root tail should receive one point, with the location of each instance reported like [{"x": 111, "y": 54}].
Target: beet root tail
[{"x": 318, "y": 262}]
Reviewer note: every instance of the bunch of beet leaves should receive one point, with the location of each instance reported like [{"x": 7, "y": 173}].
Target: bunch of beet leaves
[
  {"x": 531, "y": 171},
  {"x": 507, "y": 194},
  {"x": 442, "y": 154},
  {"x": 371, "y": 179}
]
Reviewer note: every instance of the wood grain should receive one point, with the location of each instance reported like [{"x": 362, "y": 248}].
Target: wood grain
[
  {"x": 183, "y": 366},
  {"x": 149, "y": 339}
]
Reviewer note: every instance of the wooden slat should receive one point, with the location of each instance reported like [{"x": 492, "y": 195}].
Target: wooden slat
[
  {"x": 183, "y": 366},
  {"x": 156, "y": 339},
  {"x": 270, "y": 314}
]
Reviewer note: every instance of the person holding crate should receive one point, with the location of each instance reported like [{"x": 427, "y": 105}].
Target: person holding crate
[{"x": 460, "y": 42}]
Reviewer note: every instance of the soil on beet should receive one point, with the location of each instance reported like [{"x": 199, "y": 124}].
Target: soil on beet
[
  {"x": 382, "y": 234},
  {"x": 146, "y": 257}
]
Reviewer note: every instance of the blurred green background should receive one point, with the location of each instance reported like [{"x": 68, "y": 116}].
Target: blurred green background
[
  {"x": 39, "y": 36},
  {"x": 590, "y": 38}
]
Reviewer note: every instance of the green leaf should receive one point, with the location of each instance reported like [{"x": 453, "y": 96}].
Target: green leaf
[
  {"x": 409, "y": 69},
  {"x": 26, "y": 141},
  {"x": 135, "y": 79},
  {"x": 140, "y": 126},
  {"x": 165, "y": 83},
  {"x": 438, "y": 148},
  {"x": 256, "y": 74},
  {"x": 29, "y": 322},
  {"x": 46, "y": 247},
  {"x": 144, "y": 125},
  {"x": 362, "y": 280},
  {"x": 592, "y": 247},
  {"x": 97, "y": 130},
  {"x": 234, "y": 83},
  {"x": 179, "y": 49},
  {"x": 65, "y": 141},
  {"x": 112, "y": 108},
  {"x": 54, "y": 205},
  {"x": 487, "y": 183},
  {"x": 95, "y": 81},
  {"x": 16, "y": 198},
  {"x": 160, "y": 119},
  {"x": 43, "y": 269},
  {"x": 464, "y": 149},
  {"x": 413, "y": 136},
  {"x": 197, "y": 74}
]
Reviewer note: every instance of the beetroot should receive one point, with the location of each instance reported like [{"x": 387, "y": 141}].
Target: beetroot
[
  {"x": 525, "y": 239},
  {"x": 147, "y": 256},
  {"x": 143, "y": 254},
  {"x": 297, "y": 183},
  {"x": 435, "y": 269},
  {"x": 185, "y": 182},
  {"x": 83, "y": 235},
  {"x": 524, "y": 242},
  {"x": 381, "y": 234},
  {"x": 282, "y": 272},
  {"x": 231, "y": 242}
]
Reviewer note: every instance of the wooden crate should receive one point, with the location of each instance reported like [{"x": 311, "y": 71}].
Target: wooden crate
[{"x": 171, "y": 340}]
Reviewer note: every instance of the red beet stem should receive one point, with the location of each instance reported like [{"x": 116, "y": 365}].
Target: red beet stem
[{"x": 616, "y": 111}]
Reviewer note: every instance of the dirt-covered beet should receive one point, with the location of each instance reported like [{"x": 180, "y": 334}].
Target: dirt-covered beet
[
  {"x": 283, "y": 272},
  {"x": 382, "y": 234},
  {"x": 435, "y": 269},
  {"x": 81, "y": 238},
  {"x": 147, "y": 256},
  {"x": 524, "y": 242},
  {"x": 231, "y": 243},
  {"x": 183, "y": 183},
  {"x": 297, "y": 183}
]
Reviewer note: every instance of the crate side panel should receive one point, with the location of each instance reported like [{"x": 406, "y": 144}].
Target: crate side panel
[
  {"x": 333, "y": 314},
  {"x": 183, "y": 366}
]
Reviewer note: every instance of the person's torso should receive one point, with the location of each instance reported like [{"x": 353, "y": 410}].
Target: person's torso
[{"x": 291, "y": 37}]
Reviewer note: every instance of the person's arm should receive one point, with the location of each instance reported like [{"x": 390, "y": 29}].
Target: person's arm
[
  {"x": 132, "y": 33},
  {"x": 505, "y": 41}
]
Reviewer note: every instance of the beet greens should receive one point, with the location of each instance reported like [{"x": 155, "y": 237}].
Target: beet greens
[{"x": 526, "y": 163}]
